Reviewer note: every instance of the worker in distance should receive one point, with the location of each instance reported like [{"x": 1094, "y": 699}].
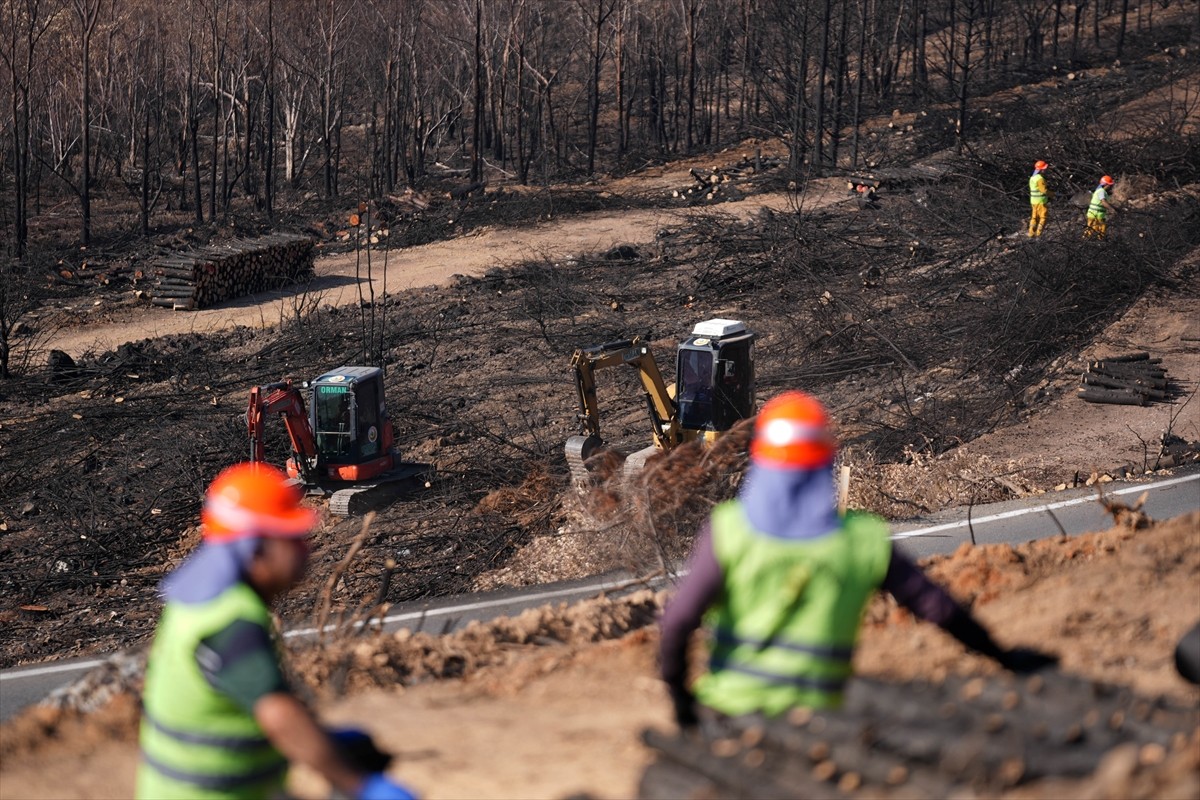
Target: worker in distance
[
  {"x": 1039, "y": 196},
  {"x": 219, "y": 720},
  {"x": 786, "y": 580},
  {"x": 1098, "y": 210}
]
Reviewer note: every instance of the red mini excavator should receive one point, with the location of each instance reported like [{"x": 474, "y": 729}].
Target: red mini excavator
[{"x": 342, "y": 439}]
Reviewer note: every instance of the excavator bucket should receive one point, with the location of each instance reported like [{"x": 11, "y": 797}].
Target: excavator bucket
[{"x": 579, "y": 450}]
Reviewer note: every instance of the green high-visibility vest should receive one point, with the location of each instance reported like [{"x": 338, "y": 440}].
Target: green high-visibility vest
[
  {"x": 195, "y": 741},
  {"x": 787, "y": 621},
  {"x": 1037, "y": 189},
  {"x": 1096, "y": 207}
]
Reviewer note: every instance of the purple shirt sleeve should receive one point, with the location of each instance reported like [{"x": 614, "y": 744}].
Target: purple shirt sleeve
[
  {"x": 699, "y": 590},
  {"x": 907, "y": 583}
]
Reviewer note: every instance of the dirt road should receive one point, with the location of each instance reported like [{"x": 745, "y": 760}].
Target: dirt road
[{"x": 425, "y": 265}]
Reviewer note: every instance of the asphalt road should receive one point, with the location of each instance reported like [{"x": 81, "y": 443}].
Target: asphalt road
[{"x": 1013, "y": 522}]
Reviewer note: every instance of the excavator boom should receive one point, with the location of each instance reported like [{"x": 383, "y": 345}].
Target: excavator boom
[
  {"x": 659, "y": 405},
  {"x": 281, "y": 398},
  {"x": 587, "y": 362}
]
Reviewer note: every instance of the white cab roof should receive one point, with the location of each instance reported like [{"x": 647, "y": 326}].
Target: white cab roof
[{"x": 717, "y": 328}]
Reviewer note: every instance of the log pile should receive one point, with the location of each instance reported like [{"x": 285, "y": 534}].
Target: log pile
[
  {"x": 200, "y": 278},
  {"x": 707, "y": 183},
  {"x": 1135, "y": 379},
  {"x": 964, "y": 737}
]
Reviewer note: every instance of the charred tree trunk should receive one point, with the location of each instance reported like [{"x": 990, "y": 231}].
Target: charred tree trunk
[
  {"x": 840, "y": 79},
  {"x": 619, "y": 67},
  {"x": 216, "y": 116},
  {"x": 690, "y": 26},
  {"x": 602, "y": 11},
  {"x": 88, "y": 14},
  {"x": 268, "y": 157},
  {"x": 822, "y": 71},
  {"x": 960, "y": 128},
  {"x": 477, "y": 120},
  {"x": 858, "y": 79},
  {"x": 1124, "y": 24}
]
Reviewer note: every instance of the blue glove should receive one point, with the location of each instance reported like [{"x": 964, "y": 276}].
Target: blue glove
[{"x": 381, "y": 787}]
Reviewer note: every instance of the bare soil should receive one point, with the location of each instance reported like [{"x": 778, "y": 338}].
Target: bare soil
[{"x": 551, "y": 704}]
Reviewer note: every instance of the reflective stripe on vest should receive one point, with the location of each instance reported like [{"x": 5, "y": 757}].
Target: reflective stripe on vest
[
  {"x": 788, "y": 617},
  {"x": 224, "y": 742},
  {"x": 823, "y": 685},
  {"x": 728, "y": 638},
  {"x": 216, "y": 783},
  {"x": 1036, "y": 194},
  {"x": 195, "y": 739},
  {"x": 1096, "y": 207}
]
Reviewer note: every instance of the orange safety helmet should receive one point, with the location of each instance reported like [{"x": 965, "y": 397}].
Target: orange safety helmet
[
  {"x": 254, "y": 499},
  {"x": 1040, "y": 165},
  {"x": 1106, "y": 180},
  {"x": 792, "y": 432}
]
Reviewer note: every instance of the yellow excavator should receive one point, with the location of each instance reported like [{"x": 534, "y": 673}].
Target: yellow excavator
[{"x": 713, "y": 389}]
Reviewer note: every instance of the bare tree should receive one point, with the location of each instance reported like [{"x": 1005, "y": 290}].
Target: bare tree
[
  {"x": 332, "y": 20},
  {"x": 969, "y": 14},
  {"x": 26, "y": 21},
  {"x": 1124, "y": 25},
  {"x": 87, "y": 14},
  {"x": 1033, "y": 14}
]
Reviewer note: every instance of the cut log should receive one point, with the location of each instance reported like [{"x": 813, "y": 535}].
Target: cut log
[
  {"x": 1092, "y": 379},
  {"x": 1121, "y": 368},
  {"x": 174, "y": 304},
  {"x": 1123, "y": 397}
]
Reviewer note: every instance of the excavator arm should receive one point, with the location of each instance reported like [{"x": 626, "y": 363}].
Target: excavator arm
[
  {"x": 281, "y": 398},
  {"x": 635, "y": 353}
]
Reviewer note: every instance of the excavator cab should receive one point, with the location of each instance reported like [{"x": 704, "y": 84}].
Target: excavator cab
[
  {"x": 349, "y": 422},
  {"x": 713, "y": 389},
  {"x": 714, "y": 376}
]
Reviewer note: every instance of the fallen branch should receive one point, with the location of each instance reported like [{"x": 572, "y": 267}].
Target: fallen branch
[{"x": 335, "y": 576}]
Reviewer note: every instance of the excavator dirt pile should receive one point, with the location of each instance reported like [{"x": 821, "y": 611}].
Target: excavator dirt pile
[
  {"x": 650, "y": 518},
  {"x": 964, "y": 737}
]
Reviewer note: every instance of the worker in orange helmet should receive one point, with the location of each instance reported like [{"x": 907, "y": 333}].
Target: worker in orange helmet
[
  {"x": 219, "y": 720},
  {"x": 1098, "y": 210},
  {"x": 785, "y": 579},
  {"x": 1039, "y": 195}
]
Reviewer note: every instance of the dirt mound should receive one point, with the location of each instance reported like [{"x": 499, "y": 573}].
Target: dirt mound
[
  {"x": 543, "y": 705},
  {"x": 406, "y": 658},
  {"x": 978, "y": 735}
]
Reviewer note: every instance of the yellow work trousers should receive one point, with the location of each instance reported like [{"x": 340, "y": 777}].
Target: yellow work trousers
[
  {"x": 1037, "y": 218},
  {"x": 1096, "y": 228}
]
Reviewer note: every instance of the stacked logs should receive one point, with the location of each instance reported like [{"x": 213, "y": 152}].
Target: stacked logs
[
  {"x": 1135, "y": 379},
  {"x": 707, "y": 183},
  {"x": 966, "y": 737},
  {"x": 187, "y": 281}
]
